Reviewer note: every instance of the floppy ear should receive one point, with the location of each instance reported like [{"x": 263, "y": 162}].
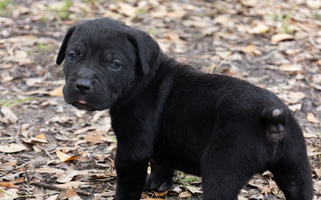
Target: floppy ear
[
  {"x": 147, "y": 49},
  {"x": 62, "y": 51}
]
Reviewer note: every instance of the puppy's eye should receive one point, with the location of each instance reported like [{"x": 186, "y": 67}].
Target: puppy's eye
[
  {"x": 72, "y": 57},
  {"x": 115, "y": 65}
]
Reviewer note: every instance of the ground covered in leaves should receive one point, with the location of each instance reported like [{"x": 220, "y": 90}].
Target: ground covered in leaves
[{"x": 49, "y": 150}]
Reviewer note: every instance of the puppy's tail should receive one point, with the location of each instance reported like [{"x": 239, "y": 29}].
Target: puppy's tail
[{"x": 275, "y": 118}]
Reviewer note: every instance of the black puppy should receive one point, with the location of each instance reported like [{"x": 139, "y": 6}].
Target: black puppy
[{"x": 175, "y": 117}]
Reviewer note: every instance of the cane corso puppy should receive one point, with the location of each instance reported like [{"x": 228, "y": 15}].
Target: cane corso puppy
[{"x": 174, "y": 117}]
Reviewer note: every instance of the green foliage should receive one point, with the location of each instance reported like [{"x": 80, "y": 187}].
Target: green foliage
[
  {"x": 14, "y": 102},
  {"x": 63, "y": 13},
  {"x": 5, "y": 7},
  {"x": 284, "y": 19},
  {"x": 185, "y": 181},
  {"x": 1, "y": 191}
]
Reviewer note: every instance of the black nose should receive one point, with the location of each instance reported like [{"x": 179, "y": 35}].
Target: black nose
[{"x": 84, "y": 85}]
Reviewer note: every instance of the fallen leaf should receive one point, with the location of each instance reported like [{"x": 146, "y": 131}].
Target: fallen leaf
[
  {"x": 281, "y": 37},
  {"x": 310, "y": 135},
  {"x": 241, "y": 198},
  {"x": 292, "y": 52},
  {"x": 10, "y": 194},
  {"x": 57, "y": 92},
  {"x": 259, "y": 29},
  {"x": 161, "y": 194},
  {"x": 93, "y": 138},
  {"x": 64, "y": 157},
  {"x": 49, "y": 170},
  {"x": 291, "y": 68},
  {"x": 12, "y": 148},
  {"x": 184, "y": 194},
  {"x": 73, "y": 184},
  {"x": 38, "y": 139},
  {"x": 178, "y": 14},
  {"x": 311, "y": 118},
  {"x": 33, "y": 81},
  {"x": 266, "y": 190},
  {"x": 21, "y": 54},
  {"x": 71, "y": 194},
  {"x": 252, "y": 50},
  {"x": 248, "y": 3},
  {"x": 194, "y": 190},
  {"x": 8, "y": 185},
  {"x": 295, "y": 107},
  {"x": 314, "y": 4},
  {"x": 9, "y": 116},
  {"x": 85, "y": 129},
  {"x": 127, "y": 9},
  {"x": 67, "y": 176}
]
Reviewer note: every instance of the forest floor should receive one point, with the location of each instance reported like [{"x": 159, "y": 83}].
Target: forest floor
[{"x": 50, "y": 150}]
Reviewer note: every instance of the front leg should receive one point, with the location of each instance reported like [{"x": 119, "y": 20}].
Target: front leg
[{"x": 131, "y": 174}]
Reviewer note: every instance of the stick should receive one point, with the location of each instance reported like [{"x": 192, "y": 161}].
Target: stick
[{"x": 52, "y": 187}]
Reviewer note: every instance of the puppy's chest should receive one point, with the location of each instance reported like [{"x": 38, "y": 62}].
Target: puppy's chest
[{"x": 180, "y": 153}]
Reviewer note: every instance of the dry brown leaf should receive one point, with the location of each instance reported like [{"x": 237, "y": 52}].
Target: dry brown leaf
[
  {"x": 241, "y": 198},
  {"x": 317, "y": 171},
  {"x": 41, "y": 137},
  {"x": 85, "y": 129},
  {"x": 92, "y": 138},
  {"x": 252, "y": 50},
  {"x": 266, "y": 190},
  {"x": 12, "y": 148},
  {"x": 161, "y": 194},
  {"x": 194, "y": 190},
  {"x": 38, "y": 139},
  {"x": 64, "y": 157},
  {"x": 72, "y": 184},
  {"x": 67, "y": 176},
  {"x": 8, "y": 115},
  {"x": 33, "y": 81},
  {"x": 295, "y": 107},
  {"x": 8, "y": 185},
  {"x": 291, "y": 68},
  {"x": 184, "y": 194},
  {"x": 314, "y": 4},
  {"x": 314, "y": 154},
  {"x": 178, "y": 14},
  {"x": 249, "y": 3},
  {"x": 292, "y": 52},
  {"x": 292, "y": 97},
  {"x": 281, "y": 37},
  {"x": 127, "y": 9},
  {"x": 71, "y": 194},
  {"x": 310, "y": 135},
  {"x": 259, "y": 29},
  {"x": 49, "y": 170},
  {"x": 10, "y": 194},
  {"x": 57, "y": 92},
  {"x": 313, "y": 119}
]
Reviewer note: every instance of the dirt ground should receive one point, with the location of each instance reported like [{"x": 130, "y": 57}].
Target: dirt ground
[{"x": 50, "y": 150}]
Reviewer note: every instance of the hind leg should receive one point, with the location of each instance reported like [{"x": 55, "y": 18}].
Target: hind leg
[
  {"x": 160, "y": 178},
  {"x": 226, "y": 167}
]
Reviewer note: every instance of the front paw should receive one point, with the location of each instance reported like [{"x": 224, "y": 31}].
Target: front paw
[{"x": 157, "y": 184}]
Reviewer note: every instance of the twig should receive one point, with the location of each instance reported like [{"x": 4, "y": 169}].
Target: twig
[
  {"x": 48, "y": 154},
  {"x": 52, "y": 187},
  {"x": 7, "y": 172},
  {"x": 267, "y": 56}
]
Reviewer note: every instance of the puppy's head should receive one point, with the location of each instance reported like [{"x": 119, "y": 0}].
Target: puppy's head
[{"x": 104, "y": 59}]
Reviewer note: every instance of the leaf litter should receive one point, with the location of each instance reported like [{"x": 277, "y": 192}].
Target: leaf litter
[{"x": 50, "y": 150}]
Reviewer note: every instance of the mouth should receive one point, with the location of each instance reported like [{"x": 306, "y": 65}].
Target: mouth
[{"x": 83, "y": 105}]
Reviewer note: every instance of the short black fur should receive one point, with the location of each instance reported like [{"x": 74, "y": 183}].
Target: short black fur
[{"x": 177, "y": 118}]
